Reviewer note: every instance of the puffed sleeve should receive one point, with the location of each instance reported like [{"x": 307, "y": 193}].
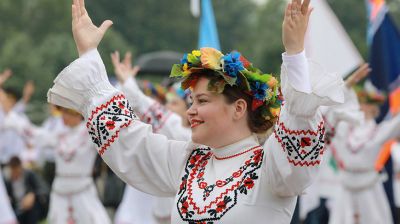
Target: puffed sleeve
[
  {"x": 349, "y": 111},
  {"x": 387, "y": 129},
  {"x": 295, "y": 149},
  {"x": 157, "y": 115},
  {"x": 147, "y": 161}
]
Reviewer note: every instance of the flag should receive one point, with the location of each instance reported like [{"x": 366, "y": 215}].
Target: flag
[
  {"x": 384, "y": 56},
  {"x": 208, "y": 35},
  {"x": 328, "y": 43},
  {"x": 195, "y": 8}
]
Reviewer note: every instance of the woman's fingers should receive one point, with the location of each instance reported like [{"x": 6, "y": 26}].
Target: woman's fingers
[
  {"x": 304, "y": 7},
  {"x": 75, "y": 17},
  {"x": 105, "y": 25},
  {"x": 115, "y": 58},
  {"x": 77, "y": 8},
  {"x": 82, "y": 7},
  {"x": 128, "y": 59}
]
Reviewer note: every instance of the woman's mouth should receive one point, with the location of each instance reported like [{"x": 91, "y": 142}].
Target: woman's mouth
[{"x": 195, "y": 123}]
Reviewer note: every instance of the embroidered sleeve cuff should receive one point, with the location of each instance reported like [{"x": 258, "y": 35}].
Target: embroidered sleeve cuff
[
  {"x": 303, "y": 147},
  {"x": 106, "y": 121}
]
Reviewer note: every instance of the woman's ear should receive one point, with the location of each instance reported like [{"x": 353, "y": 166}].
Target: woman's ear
[{"x": 240, "y": 109}]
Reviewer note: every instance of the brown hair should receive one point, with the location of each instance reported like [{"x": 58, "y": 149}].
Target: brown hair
[{"x": 257, "y": 123}]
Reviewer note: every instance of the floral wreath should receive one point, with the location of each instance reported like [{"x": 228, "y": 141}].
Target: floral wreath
[{"x": 235, "y": 70}]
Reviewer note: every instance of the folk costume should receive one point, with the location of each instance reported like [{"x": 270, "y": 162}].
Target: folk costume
[
  {"x": 136, "y": 206},
  {"x": 240, "y": 183},
  {"x": 74, "y": 198},
  {"x": 361, "y": 198}
]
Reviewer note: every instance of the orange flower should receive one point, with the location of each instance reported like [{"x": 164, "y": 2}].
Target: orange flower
[
  {"x": 275, "y": 111},
  {"x": 211, "y": 58}
]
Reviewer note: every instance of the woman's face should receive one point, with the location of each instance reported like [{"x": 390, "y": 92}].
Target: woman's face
[
  {"x": 210, "y": 117},
  {"x": 178, "y": 105},
  {"x": 70, "y": 118}
]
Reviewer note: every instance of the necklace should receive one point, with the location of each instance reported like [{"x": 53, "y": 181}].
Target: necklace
[{"x": 237, "y": 154}]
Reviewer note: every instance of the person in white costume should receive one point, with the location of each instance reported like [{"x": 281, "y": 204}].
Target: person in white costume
[
  {"x": 12, "y": 141},
  {"x": 361, "y": 198},
  {"x": 7, "y": 214},
  {"x": 223, "y": 175},
  {"x": 136, "y": 206},
  {"x": 74, "y": 198},
  {"x": 316, "y": 203}
]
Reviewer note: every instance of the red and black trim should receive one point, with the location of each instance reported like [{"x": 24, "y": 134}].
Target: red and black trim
[
  {"x": 156, "y": 116},
  {"x": 107, "y": 119},
  {"x": 217, "y": 197},
  {"x": 302, "y": 147}
]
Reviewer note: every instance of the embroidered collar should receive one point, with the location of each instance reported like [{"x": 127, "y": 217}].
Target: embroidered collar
[{"x": 237, "y": 148}]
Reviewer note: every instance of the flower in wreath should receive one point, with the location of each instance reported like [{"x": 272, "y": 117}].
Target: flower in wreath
[
  {"x": 232, "y": 64},
  {"x": 233, "y": 70},
  {"x": 211, "y": 58},
  {"x": 259, "y": 90}
]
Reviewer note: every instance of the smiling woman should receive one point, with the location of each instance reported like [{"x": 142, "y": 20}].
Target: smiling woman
[{"x": 223, "y": 175}]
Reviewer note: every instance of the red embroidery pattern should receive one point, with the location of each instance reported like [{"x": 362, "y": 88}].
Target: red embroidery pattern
[
  {"x": 218, "y": 197},
  {"x": 156, "y": 116},
  {"x": 235, "y": 155},
  {"x": 107, "y": 119},
  {"x": 302, "y": 147},
  {"x": 358, "y": 148}
]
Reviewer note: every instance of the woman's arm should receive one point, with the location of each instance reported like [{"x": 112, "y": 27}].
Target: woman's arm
[
  {"x": 148, "y": 161},
  {"x": 295, "y": 150}
]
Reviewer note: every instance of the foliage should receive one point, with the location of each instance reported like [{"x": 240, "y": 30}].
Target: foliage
[{"x": 36, "y": 40}]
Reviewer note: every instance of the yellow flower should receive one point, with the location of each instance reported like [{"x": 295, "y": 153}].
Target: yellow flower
[
  {"x": 211, "y": 58},
  {"x": 186, "y": 70},
  {"x": 196, "y": 53},
  {"x": 185, "y": 67},
  {"x": 275, "y": 111}
]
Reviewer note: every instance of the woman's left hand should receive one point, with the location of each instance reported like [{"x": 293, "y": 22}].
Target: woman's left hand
[
  {"x": 87, "y": 36},
  {"x": 295, "y": 25}
]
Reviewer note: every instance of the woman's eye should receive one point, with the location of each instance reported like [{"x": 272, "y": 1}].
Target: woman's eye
[{"x": 202, "y": 101}]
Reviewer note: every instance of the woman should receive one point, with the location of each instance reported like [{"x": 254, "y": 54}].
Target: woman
[
  {"x": 74, "y": 197},
  {"x": 361, "y": 197},
  {"x": 136, "y": 206},
  {"x": 233, "y": 179}
]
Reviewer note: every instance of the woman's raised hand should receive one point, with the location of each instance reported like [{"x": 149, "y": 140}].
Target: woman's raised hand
[
  {"x": 123, "y": 70},
  {"x": 6, "y": 74},
  {"x": 358, "y": 75},
  {"x": 87, "y": 36},
  {"x": 295, "y": 25}
]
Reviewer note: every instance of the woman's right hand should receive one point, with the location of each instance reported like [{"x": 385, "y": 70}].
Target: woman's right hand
[
  {"x": 358, "y": 75},
  {"x": 123, "y": 69},
  {"x": 87, "y": 36},
  {"x": 4, "y": 76}
]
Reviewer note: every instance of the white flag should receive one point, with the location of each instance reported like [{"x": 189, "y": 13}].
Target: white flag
[{"x": 328, "y": 43}]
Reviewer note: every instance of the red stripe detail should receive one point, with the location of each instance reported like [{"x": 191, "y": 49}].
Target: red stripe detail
[
  {"x": 238, "y": 154},
  {"x": 111, "y": 140}
]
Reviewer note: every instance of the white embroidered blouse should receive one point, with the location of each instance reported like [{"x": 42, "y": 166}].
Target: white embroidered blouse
[{"x": 240, "y": 183}]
